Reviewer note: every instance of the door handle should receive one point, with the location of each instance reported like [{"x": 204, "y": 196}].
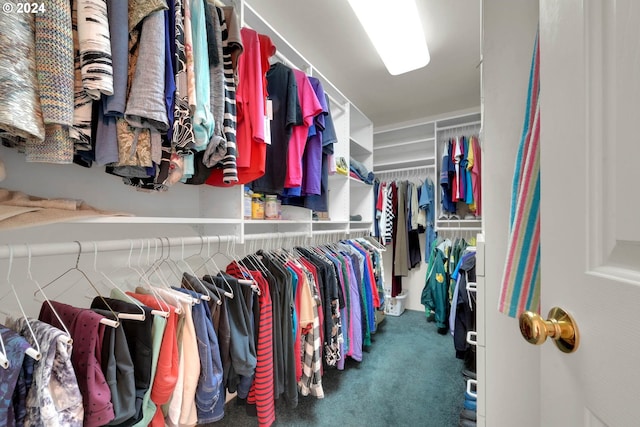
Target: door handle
[{"x": 560, "y": 326}]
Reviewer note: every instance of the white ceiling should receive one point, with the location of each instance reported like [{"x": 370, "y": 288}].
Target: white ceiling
[{"x": 328, "y": 35}]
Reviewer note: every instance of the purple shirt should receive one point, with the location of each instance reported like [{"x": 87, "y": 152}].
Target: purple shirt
[{"x": 312, "y": 158}]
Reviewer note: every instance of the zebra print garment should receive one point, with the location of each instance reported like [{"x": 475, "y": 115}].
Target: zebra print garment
[
  {"x": 183, "y": 138},
  {"x": 95, "y": 47},
  {"x": 217, "y": 148},
  {"x": 229, "y": 166},
  {"x": 81, "y": 129}
]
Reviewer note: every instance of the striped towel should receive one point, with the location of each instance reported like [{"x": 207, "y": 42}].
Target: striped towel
[{"x": 521, "y": 280}]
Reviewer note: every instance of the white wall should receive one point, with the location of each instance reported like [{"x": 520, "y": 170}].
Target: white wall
[
  {"x": 411, "y": 284},
  {"x": 512, "y": 366}
]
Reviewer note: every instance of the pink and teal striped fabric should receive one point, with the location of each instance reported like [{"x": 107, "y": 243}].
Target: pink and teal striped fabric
[{"x": 521, "y": 279}]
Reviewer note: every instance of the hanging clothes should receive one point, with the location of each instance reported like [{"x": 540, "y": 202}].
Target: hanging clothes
[
  {"x": 435, "y": 295},
  {"x": 85, "y": 329},
  {"x": 53, "y": 395},
  {"x": 462, "y": 316},
  {"x": 14, "y": 347}
]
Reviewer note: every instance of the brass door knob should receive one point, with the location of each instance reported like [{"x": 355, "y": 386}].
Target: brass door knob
[{"x": 560, "y": 326}]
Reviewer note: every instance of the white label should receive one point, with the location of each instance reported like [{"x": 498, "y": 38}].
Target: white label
[
  {"x": 267, "y": 130},
  {"x": 269, "y": 110}
]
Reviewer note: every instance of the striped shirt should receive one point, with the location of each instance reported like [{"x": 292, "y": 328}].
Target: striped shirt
[{"x": 261, "y": 392}]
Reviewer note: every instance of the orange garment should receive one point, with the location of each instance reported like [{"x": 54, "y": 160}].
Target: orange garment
[{"x": 166, "y": 376}]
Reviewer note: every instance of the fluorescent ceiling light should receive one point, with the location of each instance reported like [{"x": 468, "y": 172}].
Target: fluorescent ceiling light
[{"x": 395, "y": 30}]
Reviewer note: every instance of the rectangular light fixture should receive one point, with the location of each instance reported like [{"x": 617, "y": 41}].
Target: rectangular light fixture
[{"x": 395, "y": 30}]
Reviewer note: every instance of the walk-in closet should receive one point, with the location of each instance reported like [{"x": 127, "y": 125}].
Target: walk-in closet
[{"x": 232, "y": 213}]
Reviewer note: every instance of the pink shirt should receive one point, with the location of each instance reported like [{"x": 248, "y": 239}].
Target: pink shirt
[{"x": 310, "y": 107}]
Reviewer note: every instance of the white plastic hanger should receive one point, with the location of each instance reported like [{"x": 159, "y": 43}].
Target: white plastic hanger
[{"x": 104, "y": 320}]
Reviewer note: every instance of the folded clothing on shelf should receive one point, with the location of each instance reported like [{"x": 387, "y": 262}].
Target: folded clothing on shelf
[{"x": 361, "y": 172}]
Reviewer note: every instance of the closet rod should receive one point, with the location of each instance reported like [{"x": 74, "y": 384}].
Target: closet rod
[
  {"x": 460, "y": 126},
  {"x": 20, "y": 250},
  {"x": 290, "y": 63},
  {"x": 415, "y": 168},
  {"x": 314, "y": 72}
]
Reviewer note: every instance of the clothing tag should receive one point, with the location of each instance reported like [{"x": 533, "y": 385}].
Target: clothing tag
[
  {"x": 269, "y": 110},
  {"x": 267, "y": 130}
]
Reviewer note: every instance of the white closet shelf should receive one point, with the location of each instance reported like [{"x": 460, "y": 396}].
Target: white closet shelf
[
  {"x": 338, "y": 176},
  {"x": 275, "y": 221},
  {"x": 463, "y": 125},
  {"x": 358, "y": 148},
  {"x": 361, "y": 224},
  {"x": 359, "y": 183},
  {"x": 153, "y": 220},
  {"x": 334, "y": 222}
]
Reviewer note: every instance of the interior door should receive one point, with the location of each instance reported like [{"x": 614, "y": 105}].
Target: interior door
[{"x": 590, "y": 207}]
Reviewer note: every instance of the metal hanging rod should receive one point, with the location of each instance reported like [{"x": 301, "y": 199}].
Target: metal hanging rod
[
  {"x": 21, "y": 250},
  {"x": 412, "y": 169}
]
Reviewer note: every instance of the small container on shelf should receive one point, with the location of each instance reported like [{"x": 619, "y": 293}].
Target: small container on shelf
[
  {"x": 271, "y": 207},
  {"x": 247, "y": 205},
  {"x": 257, "y": 206}
]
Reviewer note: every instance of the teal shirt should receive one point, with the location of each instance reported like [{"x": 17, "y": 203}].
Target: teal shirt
[
  {"x": 148, "y": 407},
  {"x": 203, "y": 122}
]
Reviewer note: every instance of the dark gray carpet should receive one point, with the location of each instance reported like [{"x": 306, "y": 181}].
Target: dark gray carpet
[{"x": 409, "y": 377}]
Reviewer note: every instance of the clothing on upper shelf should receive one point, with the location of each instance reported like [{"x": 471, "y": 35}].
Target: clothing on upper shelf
[
  {"x": 174, "y": 91},
  {"x": 283, "y": 93},
  {"x": 460, "y": 176}
]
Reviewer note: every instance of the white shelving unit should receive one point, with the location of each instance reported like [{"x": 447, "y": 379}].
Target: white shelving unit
[
  {"x": 203, "y": 209},
  {"x": 417, "y": 145}
]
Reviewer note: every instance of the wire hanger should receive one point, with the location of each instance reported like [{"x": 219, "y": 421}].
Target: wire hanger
[
  {"x": 229, "y": 293},
  {"x": 47, "y": 300},
  {"x": 245, "y": 270},
  {"x": 215, "y": 293},
  {"x": 128, "y": 316},
  {"x": 104, "y": 320},
  {"x": 206, "y": 295},
  {"x": 172, "y": 294},
  {"x": 210, "y": 258},
  {"x": 34, "y": 353},
  {"x": 154, "y": 267},
  {"x": 165, "y": 310}
]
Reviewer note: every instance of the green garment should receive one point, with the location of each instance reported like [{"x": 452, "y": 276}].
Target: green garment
[
  {"x": 157, "y": 332},
  {"x": 435, "y": 295}
]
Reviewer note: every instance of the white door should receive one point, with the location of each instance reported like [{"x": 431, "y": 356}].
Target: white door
[{"x": 590, "y": 196}]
